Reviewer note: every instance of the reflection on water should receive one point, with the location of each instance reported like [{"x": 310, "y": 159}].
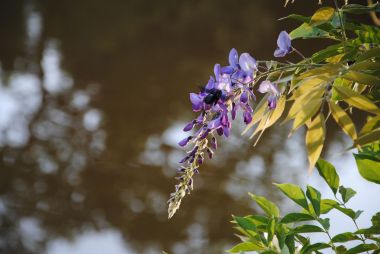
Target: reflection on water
[{"x": 93, "y": 97}]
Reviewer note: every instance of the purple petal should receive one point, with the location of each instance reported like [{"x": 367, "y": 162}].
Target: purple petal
[
  {"x": 247, "y": 63},
  {"x": 247, "y": 117},
  {"x": 205, "y": 134},
  {"x": 184, "y": 159},
  {"x": 214, "y": 143},
  {"x": 280, "y": 52},
  {"x": 217, "y": 71},
  {"x": 196, "y": 101},
  {"x": 226, "y": 131},
  {"x": 184, "y": 141},
  {"x": 219, "y": 131},
  {"x": 272, "y": 101},
  {"x": 264, "y": 86},
  {"x": 210, "y": 84},
  {"x": 244, "y": 97},
  {"x": 189, "y": 126},
  {"x": 227, "y": 70},
  {"x": 284, "y": 41},
  {"x": 233, "y": 58},
  {"x": 284, "y": 45}
]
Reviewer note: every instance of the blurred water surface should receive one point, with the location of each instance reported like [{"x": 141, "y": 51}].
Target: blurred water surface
[{"x": 93, "y": 97}]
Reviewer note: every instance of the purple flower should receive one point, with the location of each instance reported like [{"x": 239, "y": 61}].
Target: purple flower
[
  {"x": 284, "y": 45},
  {"x": 273, "y": 91},
  {"x": 233, "y": 58},
  {"x": 184, "y": 141},
  {"x": 247, "y": 63},
  {"x": 247, "y": 117},
  {"x": 196, "y": 101},
  {"x": 189, "y": 126},
  {"x": 244, "y": 97}
]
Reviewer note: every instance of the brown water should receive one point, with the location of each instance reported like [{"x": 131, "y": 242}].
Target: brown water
[{"x": 93, "y": 97}]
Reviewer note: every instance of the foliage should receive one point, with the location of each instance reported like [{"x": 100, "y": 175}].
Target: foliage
[
  {"x": 273, "y": 233},
  {"x": 330, "y": 84}
]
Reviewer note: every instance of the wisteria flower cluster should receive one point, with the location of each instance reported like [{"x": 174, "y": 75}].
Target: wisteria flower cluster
[{"x": 229, "y": 91}]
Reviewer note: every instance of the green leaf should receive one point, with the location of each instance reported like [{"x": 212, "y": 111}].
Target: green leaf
[
  {"x": 369, "y": 231},
  {"x": 296, "y": 217},
  {"x": 340, "y": 249},
  {"x": 330, "y": 51},
  {"x": 315, "y": 198},
  {"x": 361, "y": 248},
  {"x": 343, "y": 120},
  {"x": 315, "y": 247},
  {"x": 245, "y": 223},
  {"x": 356, "y": 100},
  {"x": 327, "y": 205},
  {"x": 308, "y": 229},
  {"x": 297, "y": 17},
  {"x": 325, "y": 223},
  {"x": 369, "y": 167},
  {"x": 373, "y": 52},
  {"x": 290, "y": 243},
  {"x": 295, "y": 193},
  {"x": 344, "y": 237},
  {"x": 328, "y": 172},
  {"x": 358, "y": 213},
  {"x": 347, "y": 193},
  {"x": 246, "y": 246},
  {"x": 260, "y": 221},
  {"x": 360, "y": 9},
  {"x": 306, "y": 31},
  {"x": 269, "y": 207},
  {"x": 376, "y": 220},
  {"x": 321, "y": 16},
  {"x": 281, "y": 231},
  {"x": 271, "y": 229},
  {"x": 347, "y": 211}
]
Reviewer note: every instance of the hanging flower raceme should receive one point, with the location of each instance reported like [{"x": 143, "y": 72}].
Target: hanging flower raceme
[
  {"x": 228, "y": 91},
  {"x": 218, "y": 102}
]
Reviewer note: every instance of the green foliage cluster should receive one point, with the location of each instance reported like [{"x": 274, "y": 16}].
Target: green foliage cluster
[
  {"x": 332, "y": 82},
  {"x": 273, "y": 233}
]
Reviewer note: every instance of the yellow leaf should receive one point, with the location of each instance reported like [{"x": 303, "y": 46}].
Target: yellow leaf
[
  {"x": 362, "y": 78},
  {"x": 315, "y": 138},
  {"x": 343, "y": 120},
  {"x": 356, "y": 100},
  {"x": 322, "y": 15},
  {"x": 307, "y": 85},
  {"x": 299, "y": 103},
  {"x": 368, "y": 138},
  {"x": 335, "y": 59},
  {"x": 372, "y": 123},
  {"x": 308, "y": 111},
  {"x": 258, "y": 113},
  {"x": 271, "y": 117},
  {"x": 263, "y": 123},
  {"x": 329, "y": 70}
]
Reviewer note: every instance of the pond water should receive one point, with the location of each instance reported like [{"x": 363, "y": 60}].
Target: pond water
[{"x": 93, "y": 97}]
